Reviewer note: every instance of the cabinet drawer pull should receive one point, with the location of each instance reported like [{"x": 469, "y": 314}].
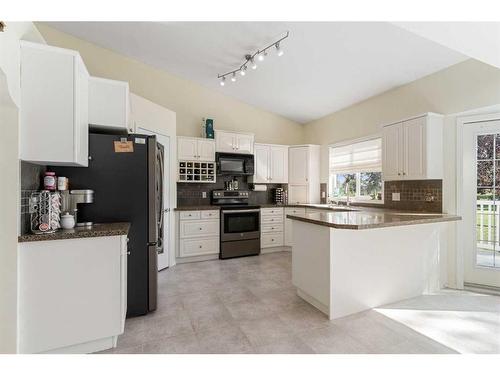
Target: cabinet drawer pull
[
  {"x": 201, "y": 246},
  {"x": 201, "y": 228}
]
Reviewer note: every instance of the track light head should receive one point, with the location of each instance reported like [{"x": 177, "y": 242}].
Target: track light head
[
  {"x": 233, "y": 77},
  {"x": 279, "y": 51},
  {"x": 223, "y": 81},
  {"x": 262, "y": 55},
  {"x": 254, "y": 65},
  {"x": 243, "y": 70}
]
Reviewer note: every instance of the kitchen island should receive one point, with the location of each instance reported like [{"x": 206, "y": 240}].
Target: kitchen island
[{"x": 347, "y": 262}]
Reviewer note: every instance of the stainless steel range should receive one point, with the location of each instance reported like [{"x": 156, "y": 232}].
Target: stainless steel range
[{"x": 239, "y": 224}]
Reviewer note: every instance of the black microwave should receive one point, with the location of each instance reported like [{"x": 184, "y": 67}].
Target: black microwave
[{"x": 234, "y": 164}]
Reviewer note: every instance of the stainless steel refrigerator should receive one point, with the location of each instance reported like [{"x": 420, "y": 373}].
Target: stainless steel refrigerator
[{"x": 126, "y": 174}]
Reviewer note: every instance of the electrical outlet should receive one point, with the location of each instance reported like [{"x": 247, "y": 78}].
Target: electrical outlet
[
  {"x": 203, "y": 194},
  {"x": 396, "y": 197}
]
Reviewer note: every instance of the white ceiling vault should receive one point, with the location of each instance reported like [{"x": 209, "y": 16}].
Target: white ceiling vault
[{"x": 327, "y": 66}]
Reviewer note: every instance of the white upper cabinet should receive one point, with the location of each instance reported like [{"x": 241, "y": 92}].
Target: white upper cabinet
[
  {"x": 279, "y": 164},
  {"x": 271, "y": 164},
  {"x": 109, "y": 104},
  {"x": 206, "y": 149},
  {"x": 261, "y": 164},
  {"x": 238, "y": 143},
  {"x": 303, "y": 175},
  {"x": 189, "y": 148},
  {"x": 54, "y": 106},
  {"x": 413, "y": 149},
  {"x": 299, "y": 165},
  {"x": 392, "y": 151}
]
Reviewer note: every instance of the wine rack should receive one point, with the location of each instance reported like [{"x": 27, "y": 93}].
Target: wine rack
[{"x": 196, "y": 171}]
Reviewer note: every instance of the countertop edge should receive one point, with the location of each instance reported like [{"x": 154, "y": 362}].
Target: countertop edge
[
  {"x": 102, "y": 230},
  {"x": 414, "y": 221}
]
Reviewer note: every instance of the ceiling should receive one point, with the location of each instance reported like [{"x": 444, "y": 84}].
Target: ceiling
[{"x": 327, "y": 66}]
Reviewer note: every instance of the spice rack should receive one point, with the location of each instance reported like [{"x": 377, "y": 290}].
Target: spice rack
[{"x": 196, "y": 171}]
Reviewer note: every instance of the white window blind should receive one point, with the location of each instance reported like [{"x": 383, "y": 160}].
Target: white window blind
[{"x": 364, "y": 156}]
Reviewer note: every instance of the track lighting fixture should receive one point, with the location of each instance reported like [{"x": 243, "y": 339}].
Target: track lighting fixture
[{"x": 250, "y": 60}]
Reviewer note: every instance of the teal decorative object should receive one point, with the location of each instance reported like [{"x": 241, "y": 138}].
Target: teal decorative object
[{"x": 209, "y": 128}]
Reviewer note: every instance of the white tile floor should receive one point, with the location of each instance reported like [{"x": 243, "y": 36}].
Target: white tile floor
[{"x": 248, "y": 305}]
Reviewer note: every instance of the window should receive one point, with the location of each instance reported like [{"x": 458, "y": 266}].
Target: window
[{"x": 355, "y": 171}]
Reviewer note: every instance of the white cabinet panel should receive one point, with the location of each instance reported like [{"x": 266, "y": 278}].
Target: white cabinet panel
[
  {"x": 196, "y": 149},
  {"x": 271, "y": 164},
  {"x": 272, "y": 211},
  {"x": 225, "y": 141},
  {"x": 54, "y": 106},
  {"x": 299, "y": 171},
  {"x": 109, "y": 105},
  {"x": 196, "y": 247},
  {"x": 412, "y": 149},
  {"x": 271, "y": 239},
  {"x": 244, "y": 143},
  {"x": 275, "y": 227},
  {"x": 198, "y": 228},
  {"x": 271, "y": 219},
  {"x": 392, "y": 151},
  {"x": 197, "y": 234},
  {"x": 261, "y": 161},
  {"x": 71, "y": 292},
  {"x": 206, "y": 149},
  {"x": 233, "y": 142},
  {"x": 190, "y": 215},
  {"x": 210, "y": 214},
  {"x": 186, "y": 148},
  {"x": 298, "y": 194},
  {"x": 278, "y": 164},
  {"x": 289, "y": 223},
  {"x": 414, "y": 145}
]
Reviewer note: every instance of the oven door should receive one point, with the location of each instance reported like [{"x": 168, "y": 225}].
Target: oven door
[{"x": 239, "y": 224}]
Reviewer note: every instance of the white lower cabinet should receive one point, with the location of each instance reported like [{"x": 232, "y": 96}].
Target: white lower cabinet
[
  {"x": 72, "y": 294},
  {"x": 198, "y": 234},
  {"x": 288, "y": 223},
  {"x": 271, "y": 227},
  {"x": 196, "y": 246}
]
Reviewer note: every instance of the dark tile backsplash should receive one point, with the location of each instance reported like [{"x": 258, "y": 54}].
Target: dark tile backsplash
[
  {"x": 191, "y": 194},
  {"x": 415, "y": 195},
  {"x": 31, "y": 180}
]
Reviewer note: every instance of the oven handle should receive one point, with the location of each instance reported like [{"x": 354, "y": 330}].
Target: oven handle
[{"x": 239, "y": 211}]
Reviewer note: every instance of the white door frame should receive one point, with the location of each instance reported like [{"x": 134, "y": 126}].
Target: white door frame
[{"x": 461, "y": 122}]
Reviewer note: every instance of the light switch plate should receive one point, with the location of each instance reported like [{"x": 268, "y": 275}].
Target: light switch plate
[{"x": 396, "y": 197}]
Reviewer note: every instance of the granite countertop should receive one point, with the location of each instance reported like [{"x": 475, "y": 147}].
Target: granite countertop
[
  {"x": 372, "y": 219},
  {"x": 97, "y": 230}
]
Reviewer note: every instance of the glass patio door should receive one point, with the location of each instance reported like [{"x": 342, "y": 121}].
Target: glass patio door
[{"x": 481, "y": 203}]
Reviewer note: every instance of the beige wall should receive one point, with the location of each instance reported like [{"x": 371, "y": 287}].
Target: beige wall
[
  {"x": 461, "y": 87},
  {"x": 190, "y": 101}
]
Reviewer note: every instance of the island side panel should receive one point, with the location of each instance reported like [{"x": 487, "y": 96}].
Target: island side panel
[
  {"x": 374, "y": 267},
  {"x": 311, "y": 263}
]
